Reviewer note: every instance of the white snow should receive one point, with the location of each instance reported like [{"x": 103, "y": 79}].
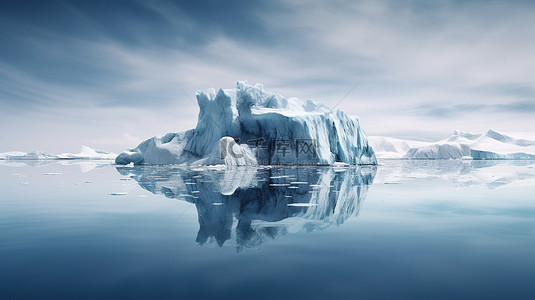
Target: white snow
[
  {"x": 461, "y": 145},
  {"x": 278, "y": 130},
  {"x": 17, "y": 155},
  {"x": 88, "y": 153},
  {"x": 387, "y": 147},
  {"x": 228, "y": 152}
]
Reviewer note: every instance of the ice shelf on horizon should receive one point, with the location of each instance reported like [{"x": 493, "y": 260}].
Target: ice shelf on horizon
[
  {"x": 461, "y": 145},
  {"x": 86, "y": 153}
]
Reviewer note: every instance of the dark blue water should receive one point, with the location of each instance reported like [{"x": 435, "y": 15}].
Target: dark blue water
[{"x": 403, "y": 230}]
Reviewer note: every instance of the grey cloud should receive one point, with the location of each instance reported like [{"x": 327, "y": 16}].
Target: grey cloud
[
  {"x": 449, "y": 111},
  {"x": 117, "y": 56}
]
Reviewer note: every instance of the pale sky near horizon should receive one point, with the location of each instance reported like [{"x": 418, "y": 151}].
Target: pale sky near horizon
[{"x": 108, "y": 74}]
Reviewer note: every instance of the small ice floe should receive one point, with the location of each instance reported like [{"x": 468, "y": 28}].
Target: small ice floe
[
  {"x": 217, "y": 203},
  {"x": 287, "y": 196},
  {"x": 190, "y": 183},
  {"x": 279, "y": 184},
  {"x": 52, "y": 174},
  {"x": 293, "y": 187},
  {"x": 302, "y": 204},
  {"x": 194, "y": 192},
  {"x": 118, "y": 194},
  {"x": 298, "y": 182},
  {"x": 340, "y": 164}
]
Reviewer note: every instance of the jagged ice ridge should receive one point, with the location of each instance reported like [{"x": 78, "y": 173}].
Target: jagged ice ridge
[
  {"x": 490, "y": 145},
  {"x": 249, "y": 124}
]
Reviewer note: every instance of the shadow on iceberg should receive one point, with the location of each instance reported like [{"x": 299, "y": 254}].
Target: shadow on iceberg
[{"x": 249, "y": 206}]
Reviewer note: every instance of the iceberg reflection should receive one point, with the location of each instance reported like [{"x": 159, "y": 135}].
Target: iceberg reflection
[
  {"x": 462, "y": 173},
  {"x": 248, "y": 206}
]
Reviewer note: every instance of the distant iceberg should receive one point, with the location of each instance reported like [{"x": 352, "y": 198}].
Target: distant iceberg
[
  {"x": 86, "y": 153},
  {"x": 17, "y": 155},
  {"x": 248, "y": 126},
  {"x": 461, "y": 145}
]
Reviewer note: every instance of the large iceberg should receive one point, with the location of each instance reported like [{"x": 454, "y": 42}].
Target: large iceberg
[
  {"x": 461, "y": 145},
  {"x": 248, "y": 126}
]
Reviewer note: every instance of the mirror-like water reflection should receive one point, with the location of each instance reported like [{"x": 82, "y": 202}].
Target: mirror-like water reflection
[
  {"x": 462, "y": 173},
  {"x": 427, "y": 230},
  {"x": 248, "y": 206}
]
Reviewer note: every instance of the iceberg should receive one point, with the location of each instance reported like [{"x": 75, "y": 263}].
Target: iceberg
[
  {"x": 249, "y": 126},
  {"x": 17, "y": 155},
  {"x": 461, "y": 145},
  {"x": 86, "y": 153},
  {"x": 388, "y": 147}
]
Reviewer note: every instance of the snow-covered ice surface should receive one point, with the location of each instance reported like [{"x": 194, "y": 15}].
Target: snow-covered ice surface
[
  {"x": 387, "y": 147},
  {"x": 86, "y": 153},
  {"x": 461, "y": 145},
  {"x": 277, "y": 130},
  {"x": 17, "y": 155}
]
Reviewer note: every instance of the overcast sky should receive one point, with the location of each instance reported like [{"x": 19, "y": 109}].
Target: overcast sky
[{"x": 108, "y": 74}]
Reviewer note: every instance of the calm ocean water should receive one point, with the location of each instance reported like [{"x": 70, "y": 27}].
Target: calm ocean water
[{"x": 402, "y": 230}]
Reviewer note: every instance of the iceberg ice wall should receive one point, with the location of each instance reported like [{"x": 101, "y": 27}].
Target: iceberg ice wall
[{"x": 267, "y": 129}]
